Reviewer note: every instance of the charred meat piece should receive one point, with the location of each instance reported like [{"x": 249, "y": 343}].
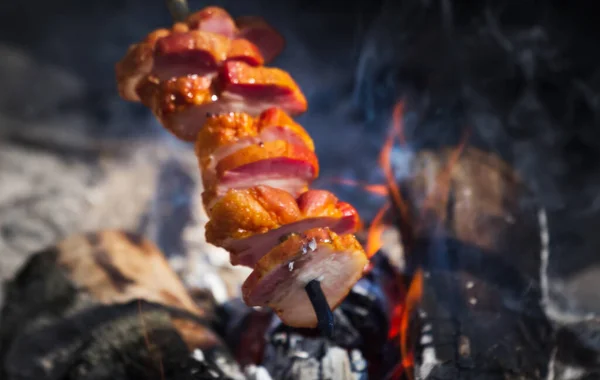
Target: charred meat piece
[
  {"x": 279, "y": 278},
  {"x": 249, "y": 223}
]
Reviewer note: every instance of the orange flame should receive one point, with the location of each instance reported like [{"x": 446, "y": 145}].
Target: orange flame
[
  {"x": 407, "y": 309},
  {"x": 385, "y": 161},
  {"x": 375, "y": 232},
  {"x": 374, "y": 241},
  {"x": 413, "y": 298}
]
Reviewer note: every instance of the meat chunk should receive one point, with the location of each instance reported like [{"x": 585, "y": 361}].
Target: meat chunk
[
  {"x": 279, "y": 278},
  {"x": 260, "y": 88},
  {"x": 137, "y": 64},
  {"x": 169, "y": 101},
  {"x": 213, "y": 19},
  {"x": 183, "y": 103},
  {"x": 225, "y": 134},
  {"x": 275, "y": 163},
  {"x": 252, "y": 28},
  {"x": 206, "y": 40},
  {"x": 261, "y": 34},
  {"x": 199, "y": 52},
  {"x": 250, "y": 222}
]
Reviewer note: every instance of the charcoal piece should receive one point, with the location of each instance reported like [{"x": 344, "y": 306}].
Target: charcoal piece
[
  {"x": 573, "y": 359},
  {"x": 291, "y": 355},
  {"x": 244, "y": 330},
  {"x": 53, "y": 328},
  {"x": 477, "y": 241}
]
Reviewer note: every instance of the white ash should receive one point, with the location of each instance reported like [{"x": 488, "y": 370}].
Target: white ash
[
  {"x": 428, "y": 360},
  {"x": 428, "y": 363},
  {"x": 332, "y": 369},
  {"x": 553, "y": 311},
  {"x": 198, "y": 355},
  {"x": 253, "y": 372},
  {"x": 392, "y": 247}
]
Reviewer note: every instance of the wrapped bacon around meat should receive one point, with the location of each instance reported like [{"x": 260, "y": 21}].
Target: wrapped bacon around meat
[{"x": 205, "y": 80}]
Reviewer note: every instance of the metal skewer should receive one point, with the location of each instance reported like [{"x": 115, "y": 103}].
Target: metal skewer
[
  {"x": 180, "y": 10},
  {"x": 321, "y": 307}
]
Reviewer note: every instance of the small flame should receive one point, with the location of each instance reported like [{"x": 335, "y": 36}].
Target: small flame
[
  {"x": 390, "y": 188},
  {"x": 413, "y": 298},
  {"x": 375, "y": 232},
  {"x": 385, "y": 161},
  {"x": 401, "y": 325},
  {"x": 374, "y": 241}
]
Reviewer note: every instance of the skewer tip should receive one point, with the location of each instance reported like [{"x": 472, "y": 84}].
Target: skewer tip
[
  {"x": 179, "y": 9},
  {"x": 319, "y": 302}
]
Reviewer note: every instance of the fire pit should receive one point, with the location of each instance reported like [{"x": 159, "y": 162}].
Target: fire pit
[{"x": 478, "y": 208}]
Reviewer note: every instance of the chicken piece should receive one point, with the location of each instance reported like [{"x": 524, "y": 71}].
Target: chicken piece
[
  {"x": 261, "y": 34},
  {"x": 225, "y": 134},
  {"x": 276, "y": 163},
  {"x": 213, "y": 19},
  {"x": 250, "y": 222},
  {"x": 199, "y": 52},
  {"x": 260, "y": 88},
  {"x": 280, "y": 277}
]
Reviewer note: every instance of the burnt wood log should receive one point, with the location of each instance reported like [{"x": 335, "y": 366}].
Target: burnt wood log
[
  {"x": 106, "y": 306},
  {"x": 476, "y": 236}
]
